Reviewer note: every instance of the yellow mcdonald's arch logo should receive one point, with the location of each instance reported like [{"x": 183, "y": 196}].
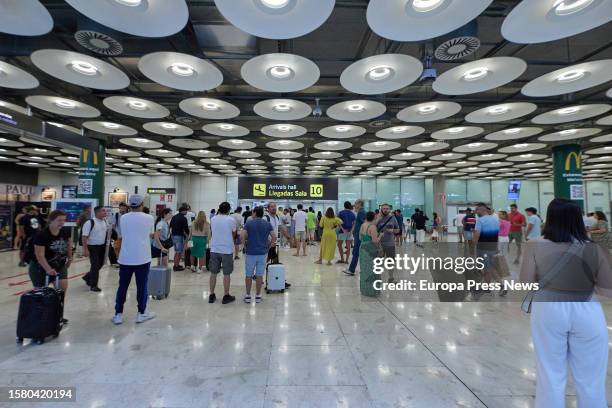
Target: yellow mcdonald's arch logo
[
  {"x": 568, "y": 159},
  {"x": 86, "y": 156}
]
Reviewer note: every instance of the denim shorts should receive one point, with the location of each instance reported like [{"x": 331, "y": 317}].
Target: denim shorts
[
  {"x": 255, "y": 263},
  {"x": 179, "y": 243}
]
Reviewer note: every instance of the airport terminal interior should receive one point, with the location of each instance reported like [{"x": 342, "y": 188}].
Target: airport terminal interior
[{"x": 437, "y": 106}]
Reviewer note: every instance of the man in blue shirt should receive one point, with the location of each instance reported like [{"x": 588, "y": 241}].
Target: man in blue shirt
[
  {"x": 359, "y": 220},
  {"x": 486, "y": 235},
  {"x": 256, "y": 235},
  {"x": 345, "y": 232}
]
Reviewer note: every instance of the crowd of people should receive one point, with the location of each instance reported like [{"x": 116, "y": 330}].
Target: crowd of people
[{"x": 568, "y": 255}]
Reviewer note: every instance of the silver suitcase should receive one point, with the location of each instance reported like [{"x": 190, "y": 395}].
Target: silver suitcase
[
  {"x": 275, "y": 278},
  {"x": 160, "y": 278}
]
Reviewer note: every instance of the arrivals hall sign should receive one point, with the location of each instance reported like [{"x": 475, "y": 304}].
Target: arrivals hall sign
[{"x": 287, "y": 188}]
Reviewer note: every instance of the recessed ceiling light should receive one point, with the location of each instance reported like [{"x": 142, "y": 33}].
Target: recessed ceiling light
[
  {"x": 407, "y": 154},
  {"x": 169, "y": 126},
  {"x": 512, "y": 131},
  {"x": 475, "y": 74},
  {"x": 570, "y": 76},
  {"x": 399, "y": 129},
  {"x": 280, "y": 72},
  {"x": 526, "y": 155},
  {"x": 520, "y": 145},
  {"x": 282, "y": 107},
  {"x": 427, "y": 109},
  {"x": 2, "y": 140},
  {"x": 568, "y": 111},
  {"x": 427, "y": 144},
  {"x": 284, "y": 142},
  {"x": 275, "y": 4},
  {"x": 423, "y": 6},
  {"x": 326, "y": 153},
  {"x": 137, "y": 105},
  {"x": 380, "y": 73},
  {"x": 474, "y": 144},
  {"x": 163, "y": 151},
  {"x": 356, "y": 107},
  {"x": 84, "y": 68},
  {"x": 487, "y": 155},
  {"x": 203, "y": 151},
  {"x": 342, "y": 129},
  {"x": 566, "y": 7},
  {"x": 65, "y": 104},
  {"x": 141, "y": 140},
  {"x": 226, "y": 126},
  {"x": 447, "y": 155},
  {"x": 236, "y": 142},
  {"x": 333, "y": 143},
  {"x": 181, "y": 69},
  {"x": 110, "y": 125},
  {"x": 456, "y": 130},
  {"x": 497, "y": 110},
  {"x": 380, "y": 143},
  {"x": 130, "y": 3},
  {"x": 40, "y": 150},
  {"x": 210, "y": 106},
  {"x": 283, "y": 128},
  {"x": 568, "y": 132}
]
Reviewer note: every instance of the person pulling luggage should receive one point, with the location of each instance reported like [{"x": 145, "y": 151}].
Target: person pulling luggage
[
  {"x": 255, "y": 235},
  {"x": 51, "y": 253}
]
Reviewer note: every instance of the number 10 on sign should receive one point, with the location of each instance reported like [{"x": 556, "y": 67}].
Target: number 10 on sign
[{"x": 316, "y": 190}]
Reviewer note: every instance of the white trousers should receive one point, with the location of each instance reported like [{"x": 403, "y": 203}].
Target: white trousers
[
  {"x": 420, "y": 236},
  {"x": 573, "y": 333}
]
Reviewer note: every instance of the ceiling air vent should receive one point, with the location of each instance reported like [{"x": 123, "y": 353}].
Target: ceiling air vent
[
  {"x": 459, "y": 43},
  {"x": 98, "y": 38}
]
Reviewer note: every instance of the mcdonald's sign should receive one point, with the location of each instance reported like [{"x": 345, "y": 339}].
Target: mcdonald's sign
[
  {"x": 568, "y": 160},
  {"x": 85, "y": 155}
]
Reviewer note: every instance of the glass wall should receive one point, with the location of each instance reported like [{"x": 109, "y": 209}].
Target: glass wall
[
  {"x": 456, "y": 191},
  {"x": 388, "y": 192},
  {"x": 598, "y": 197}
]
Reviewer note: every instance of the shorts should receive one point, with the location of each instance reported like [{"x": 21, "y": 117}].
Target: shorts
[
  {"x": 220, "y": 262},
  {"x": 157, "y": 253},
  {"x": 518, "y": 236},
  {"x": 37, "y": 274},
  {"x": 345, "y": 236},
  {"x": 460, "y": 230},
  {"x": 256, "y": 263},
  {"x": 300, "y": 235},
  {"x": 467, "y": 235},
  {"x": 179, "y": 243}
]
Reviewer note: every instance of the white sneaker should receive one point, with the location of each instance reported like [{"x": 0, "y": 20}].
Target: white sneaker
[
  {"x": 118, "y": 318},
  {"x": 247, "y": 299},
  {"x": 193, "y": 269},
  {"x": 143, "y": 317}
]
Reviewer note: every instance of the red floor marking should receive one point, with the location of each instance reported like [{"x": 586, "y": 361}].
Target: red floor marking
[
  {"x": 16, "y": 276},
  {"x": 24, "y": 291},
  {"x": 19, "y": 283}
]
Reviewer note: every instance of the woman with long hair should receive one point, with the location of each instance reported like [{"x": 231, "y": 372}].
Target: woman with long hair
[
  {"x": 328, "y": 223},
  {"x": 162, "y": 233},
  {"x": 200, "y": 236},
  {"x": 369, "y": 236},
  {"x": 600, "y": 231},
  {"x": 568, "y": 325}
]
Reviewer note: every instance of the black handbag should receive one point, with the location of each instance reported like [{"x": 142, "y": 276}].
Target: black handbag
[{"x": 167, "y": 243}]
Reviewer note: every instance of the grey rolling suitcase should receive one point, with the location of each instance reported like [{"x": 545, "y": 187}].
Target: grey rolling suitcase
[{"x": 160, "y": 278}]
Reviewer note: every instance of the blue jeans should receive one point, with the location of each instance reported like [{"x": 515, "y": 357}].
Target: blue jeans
[
  {"x": 125, "y": 277},
  {"x": 255, "y": 262},
  {"x": 355, "y": 259},
  {"x": 179, "y": 243}
]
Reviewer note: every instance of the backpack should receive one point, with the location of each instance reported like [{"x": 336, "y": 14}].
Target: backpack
[
  {"x": 28, "y": 254},
  {"x": 91, "y": 221}
]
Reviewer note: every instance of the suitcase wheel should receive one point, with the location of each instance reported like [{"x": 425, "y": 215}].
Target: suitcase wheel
[
  {"x": 19, "y": 340},
  {"x": 267, "y": 291},
  {"x": 282, "y": 291},
  {"x": 38, "y": 341}
]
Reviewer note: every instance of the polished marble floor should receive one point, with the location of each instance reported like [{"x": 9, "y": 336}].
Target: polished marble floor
[{"x": 320, "y": 344}]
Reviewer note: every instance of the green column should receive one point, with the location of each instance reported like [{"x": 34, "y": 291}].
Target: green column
[
  {"x": 567, "y": 173},
  {"x": 91, "y": 173}
]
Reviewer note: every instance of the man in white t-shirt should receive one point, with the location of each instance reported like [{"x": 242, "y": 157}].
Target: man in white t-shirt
[
  {"x": 239, "y": 220},
  {"x": 135, "y": 258},
  {"x": 458, "y": 222},
  {"x": 94, "y": 235},
  {"x": 300, "y": 230},
  {"x": 223, "y": 229}
]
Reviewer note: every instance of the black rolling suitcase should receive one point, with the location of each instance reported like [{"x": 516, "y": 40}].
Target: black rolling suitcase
[{"x": 41, "y": 313}]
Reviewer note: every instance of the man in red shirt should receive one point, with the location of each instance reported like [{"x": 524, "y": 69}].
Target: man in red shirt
[{"x": 517, "y": 222}]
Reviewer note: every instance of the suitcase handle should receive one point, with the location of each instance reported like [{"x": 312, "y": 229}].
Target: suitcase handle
[{"x": 57, "y": 279}]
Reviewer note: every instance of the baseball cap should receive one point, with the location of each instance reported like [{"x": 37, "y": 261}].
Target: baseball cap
[{"x": 135, "y": 200}]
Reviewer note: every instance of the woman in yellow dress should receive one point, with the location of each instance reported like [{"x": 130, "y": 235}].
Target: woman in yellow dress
[{"x": 329, "y": 223}]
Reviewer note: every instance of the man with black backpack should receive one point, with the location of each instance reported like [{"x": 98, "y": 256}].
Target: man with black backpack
[
  {"x": 94, "y": 237},
  {"x": 29, "y": 225}
]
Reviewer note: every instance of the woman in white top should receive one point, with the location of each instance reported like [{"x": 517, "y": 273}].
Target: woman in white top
[{"x": 568, "y": 325}]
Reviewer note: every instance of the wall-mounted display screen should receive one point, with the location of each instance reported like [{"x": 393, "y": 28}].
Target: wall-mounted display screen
[
  {"x": 514, "y": 190},
  {"x": 73, "y": 208}
]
